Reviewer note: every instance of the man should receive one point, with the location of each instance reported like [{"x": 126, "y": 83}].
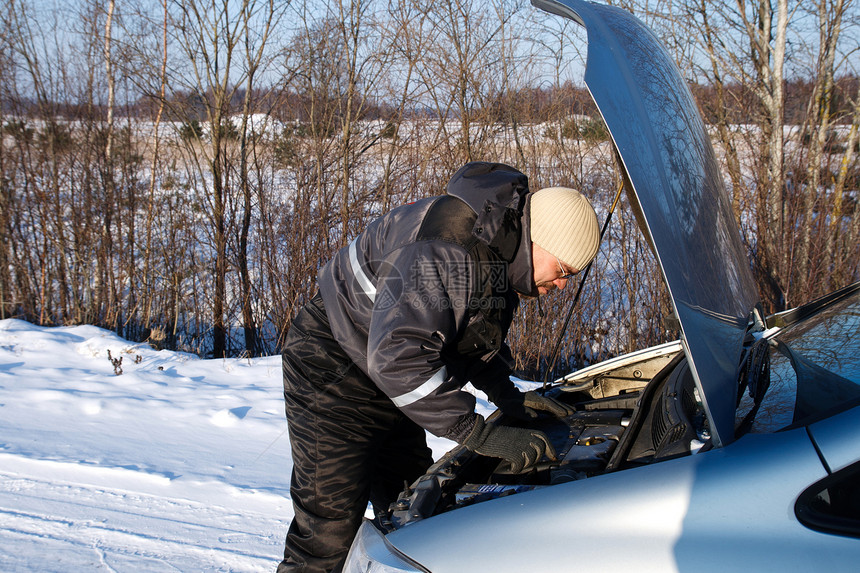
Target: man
[{"x": 415, "y": 307}]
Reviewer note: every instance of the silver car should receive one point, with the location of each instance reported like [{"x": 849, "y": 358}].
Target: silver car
[{"x": 736, "y": 448}]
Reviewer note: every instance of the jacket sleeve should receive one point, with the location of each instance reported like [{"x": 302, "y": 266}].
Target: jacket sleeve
[
  {"x": 424, "y": 290},
  {"x": 495, "y": 380}
]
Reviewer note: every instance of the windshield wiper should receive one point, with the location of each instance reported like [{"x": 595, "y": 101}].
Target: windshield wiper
[{"x": 755, "y": 378}]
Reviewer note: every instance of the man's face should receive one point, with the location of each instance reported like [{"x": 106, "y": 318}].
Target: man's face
[{"x": 549, "y": 272}]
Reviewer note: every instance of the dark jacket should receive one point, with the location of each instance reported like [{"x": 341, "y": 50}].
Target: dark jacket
[{"x": 422, "y": 299}]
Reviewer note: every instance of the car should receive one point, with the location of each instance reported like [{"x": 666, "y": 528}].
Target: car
[{"x": 734, "y": 448}]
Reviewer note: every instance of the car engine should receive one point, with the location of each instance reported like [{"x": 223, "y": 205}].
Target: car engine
[{"x": 635, "y": 413}]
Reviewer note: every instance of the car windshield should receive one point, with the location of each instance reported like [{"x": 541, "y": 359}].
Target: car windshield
[{"x": 814, "y": 370}]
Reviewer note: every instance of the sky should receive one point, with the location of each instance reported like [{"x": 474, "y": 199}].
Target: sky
[{"x": 161, "y": 462}]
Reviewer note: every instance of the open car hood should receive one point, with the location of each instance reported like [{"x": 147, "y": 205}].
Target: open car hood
[{"x": 676, "y": 189}]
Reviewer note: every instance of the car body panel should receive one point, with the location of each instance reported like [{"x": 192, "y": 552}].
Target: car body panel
[
  {"x": 723, "y": 510},
  {"x": 660, "y": 355},
  {"x": 837, "y": 439},
  {"x": 676, "y": 182}
]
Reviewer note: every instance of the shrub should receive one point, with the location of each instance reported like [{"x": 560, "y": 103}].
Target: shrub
[{"x": 191, "y": 130}]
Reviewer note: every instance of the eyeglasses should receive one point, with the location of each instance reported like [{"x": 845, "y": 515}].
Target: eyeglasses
[{"x": 564, "y": 275}]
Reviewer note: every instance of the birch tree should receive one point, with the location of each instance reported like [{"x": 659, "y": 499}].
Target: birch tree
[
  {"x": 766, "y": 29},
  {"x": 742, "y": 44},
  {"x": 819, "y": 123},
  {"x": 147, "y": 276},
  {"x": 114, "y": 303}
]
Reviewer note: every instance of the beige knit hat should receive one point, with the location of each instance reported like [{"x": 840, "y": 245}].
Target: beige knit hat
[{"x": 564, "y": 223}]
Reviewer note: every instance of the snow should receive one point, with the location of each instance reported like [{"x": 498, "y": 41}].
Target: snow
[{"x": 160, "y": 462}]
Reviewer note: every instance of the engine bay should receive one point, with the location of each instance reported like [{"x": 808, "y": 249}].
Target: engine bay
[{"x": 636, "y": 413}]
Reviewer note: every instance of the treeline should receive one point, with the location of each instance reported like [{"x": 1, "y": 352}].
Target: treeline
[
  {"x": 529, "y": 104},
  {"x": 179, "y": 171},
  {"x": 740, "y": 102}
]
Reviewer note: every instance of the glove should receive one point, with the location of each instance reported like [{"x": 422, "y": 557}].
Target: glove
[
  {"x": 533, "y": 401},
  {"x": 521, "y": 447}
]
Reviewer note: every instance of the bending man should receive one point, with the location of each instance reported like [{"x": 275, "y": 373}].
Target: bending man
[{"x": 412, "y": 309}]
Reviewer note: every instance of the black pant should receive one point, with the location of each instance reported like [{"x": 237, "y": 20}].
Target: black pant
[{"x": 350, "y": 444}]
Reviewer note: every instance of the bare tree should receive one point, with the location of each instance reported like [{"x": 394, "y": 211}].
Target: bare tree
[
  {"x": 254, "y": 52},
  {"x": 842, "y": 239},
  {"x": 459, "y": 68},
  {"x": 44, "y": 177},
  {"x": 766, "y": 30},
  {"x": 698, "y": 14},
  {"x": 378, "y": 102},
  {"x": 210, "y": 35},
  {"x": 109, "y": 182},
  {"x": 743, "y": 43},
  {"x": 147, "y": 276},
  {"x": 818, "y": 126},
  {"x": 7, "y": 186}
]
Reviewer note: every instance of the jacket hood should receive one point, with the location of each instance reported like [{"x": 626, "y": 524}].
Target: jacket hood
[{"x": 499, "y": 195}]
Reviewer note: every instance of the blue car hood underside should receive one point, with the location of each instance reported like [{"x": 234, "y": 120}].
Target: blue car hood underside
[{"x": 676, "y": 187}]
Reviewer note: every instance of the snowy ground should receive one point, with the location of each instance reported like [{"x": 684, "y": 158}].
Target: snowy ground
[{"x": 176, "y": 464}]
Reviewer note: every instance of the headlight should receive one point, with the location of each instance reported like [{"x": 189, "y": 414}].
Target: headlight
[{"x": 370, "y": 553}]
